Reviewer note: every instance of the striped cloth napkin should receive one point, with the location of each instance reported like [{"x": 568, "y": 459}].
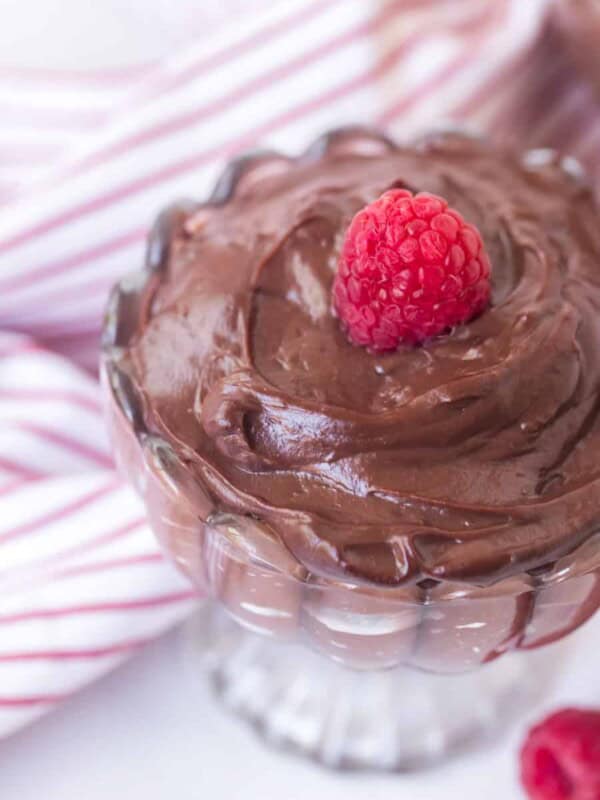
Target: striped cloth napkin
[{"x": 82, "y": 583}]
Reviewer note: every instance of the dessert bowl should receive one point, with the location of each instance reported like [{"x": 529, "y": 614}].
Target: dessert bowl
[{"x": 435, "y": 508}]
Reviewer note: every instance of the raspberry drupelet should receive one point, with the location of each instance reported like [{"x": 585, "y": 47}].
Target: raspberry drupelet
[
  {"x": 410, "y": 268},
  {"x": 560, "y": 759}
]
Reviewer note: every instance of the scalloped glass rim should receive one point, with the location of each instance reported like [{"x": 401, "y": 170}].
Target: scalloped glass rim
[{"x": 356, "y": 139}]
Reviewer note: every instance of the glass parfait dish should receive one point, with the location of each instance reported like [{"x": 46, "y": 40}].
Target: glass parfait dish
[{"x": 355, "y": 673}]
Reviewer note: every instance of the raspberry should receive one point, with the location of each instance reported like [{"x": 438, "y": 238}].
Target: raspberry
[
  {"x": 410, "y": 268},
  {"x": 560, "y": 759}
]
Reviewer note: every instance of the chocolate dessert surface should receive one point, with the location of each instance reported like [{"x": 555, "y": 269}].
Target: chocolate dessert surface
[{"x": 472, "y": 457}]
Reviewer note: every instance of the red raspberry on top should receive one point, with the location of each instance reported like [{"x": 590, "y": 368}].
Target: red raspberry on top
[
  {"x": 410, "y": 268},
  {"x": 560, "y": 759}
]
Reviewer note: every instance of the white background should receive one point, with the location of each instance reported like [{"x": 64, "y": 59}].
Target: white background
[
  {"x": 78, "y": 34},
  {"x": 151, "y": 730}
]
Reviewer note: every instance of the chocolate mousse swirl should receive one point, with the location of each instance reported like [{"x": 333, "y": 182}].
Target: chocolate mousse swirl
[{"x": 471, "y": 458}]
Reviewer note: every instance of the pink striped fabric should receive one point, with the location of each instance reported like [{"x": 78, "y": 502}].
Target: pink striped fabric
[
  {"x": 82, "y": 582},
  {"x": 47, "y": 113}
]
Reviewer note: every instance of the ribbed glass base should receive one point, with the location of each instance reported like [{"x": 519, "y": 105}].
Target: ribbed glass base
[{"x": 398, "y": 719}]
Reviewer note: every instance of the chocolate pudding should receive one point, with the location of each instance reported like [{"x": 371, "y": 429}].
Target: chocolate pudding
[{"x": 465, "y": 471}]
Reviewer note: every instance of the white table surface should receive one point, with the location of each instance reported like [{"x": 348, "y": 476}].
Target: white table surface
[{"x": 151, "y": 729}]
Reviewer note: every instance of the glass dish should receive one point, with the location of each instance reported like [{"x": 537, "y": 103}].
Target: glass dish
[{"x": 318, "y": 663}]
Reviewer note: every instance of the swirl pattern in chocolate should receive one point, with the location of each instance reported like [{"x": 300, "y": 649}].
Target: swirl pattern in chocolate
[{"x": 474, "y": 457}]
